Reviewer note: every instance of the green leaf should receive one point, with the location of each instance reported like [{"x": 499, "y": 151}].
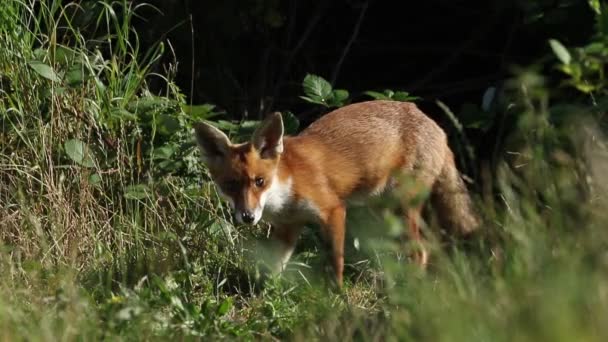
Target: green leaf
[
  {"x": 220, "y": 226},
  {"x": 249, "y": 124},
  {"x": 39, "y": 54},
  {"x": 94, "y": 179},
  {"x": 76, "y": 75},
  {"x": 169, "y": 165},
  {"x": 389, "y": 94},
  {"x": 595, "y": 6},
  {"x": 64, "y": 55},
  {"x": 404, "y": 96},
  {"x": 242, "y": 132},
  {"x": 200, "y": 112},
  {"x": 585, "y": 88},
  {"x": 54, "y": 91},
  {"x": 102, "y": 87},
  {"x": 311, "y": 100},
  {"x": 595, "y": 47},
  {"x": 572, "y": 69},
  {"x": 316, "y": 88},
  {"x": 167, "y": 124},
  {"x": 149, "y": 104},
  {"x": 339, "y": 96},
  {"x": 224, "y": 306},
  {"x": 164, "y": 152},
  {"x": 376, "y": 95},
  {"x": 44, "y": 70},
  {"x": 560, "y": 51},
  {"x": 290, "y": 122},
  {"x": 122, "y": 114},
  {"x": 224, "y": 125},
  {"x": 79, "y": 152},
  {"x": 177, "y": 303},
  {"x": 137, "y": 191}
]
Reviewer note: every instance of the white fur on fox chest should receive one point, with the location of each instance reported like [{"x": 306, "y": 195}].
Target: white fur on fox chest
[{"x": 280, "y": 206}]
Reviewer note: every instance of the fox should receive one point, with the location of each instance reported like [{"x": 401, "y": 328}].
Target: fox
[{"x": 356, "y": 151}]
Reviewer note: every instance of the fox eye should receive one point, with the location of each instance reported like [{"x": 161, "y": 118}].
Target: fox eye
[{"x": 259, "y": 182}]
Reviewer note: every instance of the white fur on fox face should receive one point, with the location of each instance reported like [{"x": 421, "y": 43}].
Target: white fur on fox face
[{"x": 274, "y": 198}]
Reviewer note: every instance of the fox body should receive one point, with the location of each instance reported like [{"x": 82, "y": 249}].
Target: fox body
[{"x": 352, "y": 152}]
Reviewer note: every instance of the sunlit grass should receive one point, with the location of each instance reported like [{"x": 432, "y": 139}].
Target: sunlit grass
[{"x": 135, "y": 244}]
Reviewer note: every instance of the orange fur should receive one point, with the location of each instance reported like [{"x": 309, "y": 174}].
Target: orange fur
[{"x": 355, "y": 150}]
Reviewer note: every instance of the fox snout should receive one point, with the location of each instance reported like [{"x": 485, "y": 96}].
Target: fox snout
[
  {"x": 248, "y": 216},
  {"x": 247, "y": 206},
  {"x": 243, "y": 213}
]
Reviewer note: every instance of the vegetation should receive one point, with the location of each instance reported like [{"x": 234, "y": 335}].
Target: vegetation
[{"x": 111, "y": 229}]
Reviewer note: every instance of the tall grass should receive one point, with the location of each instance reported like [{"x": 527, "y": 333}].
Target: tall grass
[
  {"x": 111, "y": 229},
  {"x": 100, "y": 182}
]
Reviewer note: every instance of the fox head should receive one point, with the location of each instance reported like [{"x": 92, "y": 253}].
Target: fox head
[{"x": 244, "y": 173}]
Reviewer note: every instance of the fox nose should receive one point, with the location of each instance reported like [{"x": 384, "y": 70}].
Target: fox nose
[{"x": 247, "y": 216}]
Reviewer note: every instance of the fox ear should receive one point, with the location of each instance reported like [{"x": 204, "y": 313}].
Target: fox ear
[
  {"x": 268, "y": 138},
  {"x": 212, "y": 142}
]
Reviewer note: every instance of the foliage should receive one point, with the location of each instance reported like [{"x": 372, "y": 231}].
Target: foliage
[
  {"x": 585, "y": 65},
  {"x": 388, "y": 94},
  {"x": 318, "y": 90},
  {"x": 111, "y": 228}
]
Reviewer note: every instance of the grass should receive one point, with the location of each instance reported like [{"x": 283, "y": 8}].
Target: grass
[{"x": 111, "y": 228}]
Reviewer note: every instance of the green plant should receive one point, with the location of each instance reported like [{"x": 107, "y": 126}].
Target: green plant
[
  {"x": 317, "y": 90},
  {"x": 388, "y": 94},
  {"x": 585, "y": 65},
  {"x": 111, "y": 229}
]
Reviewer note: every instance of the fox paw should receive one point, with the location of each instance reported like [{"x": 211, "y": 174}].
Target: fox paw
[{"x": 420, "y": 257}]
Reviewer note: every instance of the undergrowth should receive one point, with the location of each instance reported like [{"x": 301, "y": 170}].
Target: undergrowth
[{"x": 111, "y": 228}]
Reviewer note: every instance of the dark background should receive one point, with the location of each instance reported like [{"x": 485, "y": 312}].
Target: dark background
[{"x": 251, "y": 56}]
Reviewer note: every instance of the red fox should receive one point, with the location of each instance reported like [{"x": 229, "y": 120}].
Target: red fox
[{"x": 356, "y": 150}]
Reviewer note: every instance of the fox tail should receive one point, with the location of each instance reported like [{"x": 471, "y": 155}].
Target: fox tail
[{"x": 452, "y": 202}]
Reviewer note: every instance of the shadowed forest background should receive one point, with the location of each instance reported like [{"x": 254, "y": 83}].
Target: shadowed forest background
[
  {"x": 111, "y": 228},
  {"x": 259, "y": 51},
  {"x": 249, "y": 58}
]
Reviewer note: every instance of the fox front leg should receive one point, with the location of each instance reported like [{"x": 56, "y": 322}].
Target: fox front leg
[
  {"x": 333, "y": 231},
  {"x": 284, "y": 240}
]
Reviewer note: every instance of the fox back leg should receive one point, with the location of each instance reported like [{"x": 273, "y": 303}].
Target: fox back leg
[
  {"x": 423, "y": 172},
  {"x": 449, "y": 198},
  {"x": 411, "y": 204}
]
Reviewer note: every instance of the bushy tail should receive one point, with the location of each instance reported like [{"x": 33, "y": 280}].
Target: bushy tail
[{"x": 452, "y": 202}]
